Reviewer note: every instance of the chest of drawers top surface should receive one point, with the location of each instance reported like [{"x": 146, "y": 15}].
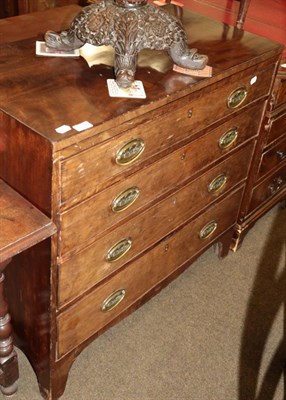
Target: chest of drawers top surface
[{"x": 44, "y": 93}]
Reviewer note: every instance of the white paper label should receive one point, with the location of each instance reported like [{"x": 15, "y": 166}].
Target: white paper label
[
  {"x": 43, "y": 50},
  {"x": 63, "y": 129},
  {"x": 135, "y": 91},
  {"x": 82, "y": 126}
]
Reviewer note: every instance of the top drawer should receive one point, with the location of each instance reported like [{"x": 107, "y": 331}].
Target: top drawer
[
  {"x": 276, "y": 128},
  {"x": 94, "y": 169},
  {"x": 279, "y": 90}
]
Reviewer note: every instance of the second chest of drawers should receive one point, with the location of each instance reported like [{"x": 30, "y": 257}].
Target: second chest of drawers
[{"x": 266, "y": 185}]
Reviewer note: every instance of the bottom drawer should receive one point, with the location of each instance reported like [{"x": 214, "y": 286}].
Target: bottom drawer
[
  {"x": 91, "y": 313},
  {"x": 268, "y": 188}
]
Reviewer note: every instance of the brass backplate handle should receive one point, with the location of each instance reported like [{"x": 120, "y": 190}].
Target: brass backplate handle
[
  {"x": 208, "y": 230},
  {"x": 276, "y": 185},
  {"x": 130, "y": 151},
  {"x": 217, "y": 183},
  {"x": 228, "y": 138},
  {"x": 281, "y": 155},
  {"x": 118, "y": 250},
  {"x": 125, "y": 199},
  {"x": 113, "y": 300},
  {"x": 237, "y": 97}
]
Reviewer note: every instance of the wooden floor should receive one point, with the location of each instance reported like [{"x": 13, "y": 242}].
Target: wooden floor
[{"x": 265, "y": 17}]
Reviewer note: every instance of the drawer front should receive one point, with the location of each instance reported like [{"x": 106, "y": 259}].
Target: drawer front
[
  {"x": 98, "y": 308},
  {"x": 112, "y": 251},
  {"x": 280, "y": 88},
  {"x": 173, "y": 210},
  {"x": 273, "y": 157},
  {"x": 269, "y": 188},
  {"x": 277, "y": 128},
  {"x": 95, "y": 168},
  {"x": 148, "y": 184}
]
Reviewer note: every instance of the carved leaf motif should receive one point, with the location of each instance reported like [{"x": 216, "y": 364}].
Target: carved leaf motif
[
  {"x": 96, "y": 22},
  {"x": 158, "y": 28}
]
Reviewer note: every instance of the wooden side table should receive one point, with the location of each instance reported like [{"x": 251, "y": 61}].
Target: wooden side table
[{"x": 21, "y": 226}]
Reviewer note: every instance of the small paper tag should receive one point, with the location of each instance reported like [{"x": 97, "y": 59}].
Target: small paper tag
[
  {"x": 159, "y": 3},
  {"x": 43, "y": 50},
  {"x": 202, "y": 73},
  {"x": 82, "y": 126},
  {"x": 135, "y": 91},
  {"x": 164, "y": 2},
  {"x": 63, "y": 129}
]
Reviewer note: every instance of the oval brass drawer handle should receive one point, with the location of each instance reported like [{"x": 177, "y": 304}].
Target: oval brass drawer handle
[
  {"x": 217, "y": 183},
  {"x": 130, "y": 151},
  {"x": 237, "y": 97},
  {"x": 208, "y": 230},
  {"x": 118, "y": 250},
  {"x": 228, "y": 138},
  {"x": 113, "y": 300},
  {"x": 125, "y": 199}
]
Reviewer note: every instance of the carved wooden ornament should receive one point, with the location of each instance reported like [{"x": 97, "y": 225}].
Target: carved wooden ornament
[{"x": 128, "y": 26}]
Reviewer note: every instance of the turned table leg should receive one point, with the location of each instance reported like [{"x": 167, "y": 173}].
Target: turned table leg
[
  {"x": 9, "y": 371},
  {"x": 243, "y": 8}
]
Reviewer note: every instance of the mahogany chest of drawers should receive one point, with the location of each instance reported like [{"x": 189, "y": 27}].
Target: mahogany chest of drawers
[
  {"x": 267, "y": 179},
  {"x": 136, "y": 197}
]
